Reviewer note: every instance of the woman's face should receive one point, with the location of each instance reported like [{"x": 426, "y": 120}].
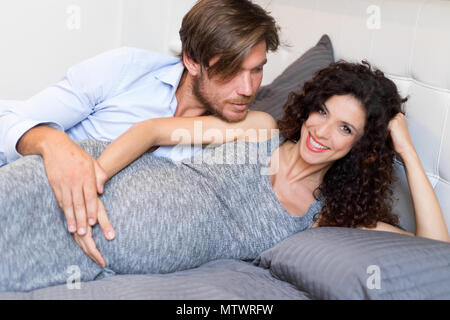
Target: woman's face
[{"x": 330, "y": 133}]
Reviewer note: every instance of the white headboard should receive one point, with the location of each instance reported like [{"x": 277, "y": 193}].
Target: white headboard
[{"x": 407, "y": 39}]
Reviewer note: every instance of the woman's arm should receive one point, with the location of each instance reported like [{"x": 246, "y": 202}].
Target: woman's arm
[
  {"x": 257, "y": 126},
  {"x": 429, "y": 219}
]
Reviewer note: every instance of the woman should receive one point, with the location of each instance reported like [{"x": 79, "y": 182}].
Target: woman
[{"x": 335, "y": 168}]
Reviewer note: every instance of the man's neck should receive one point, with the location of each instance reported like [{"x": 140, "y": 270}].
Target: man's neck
[{"x": 188, "y": 104}]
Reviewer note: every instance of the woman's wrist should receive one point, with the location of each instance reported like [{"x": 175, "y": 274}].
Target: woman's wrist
[
  {"x": 409, "y": 155},
  {"x": 125, "y": 149},
  {"x": 107, "y": 166}
]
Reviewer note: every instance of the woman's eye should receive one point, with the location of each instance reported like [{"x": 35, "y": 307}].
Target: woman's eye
[
  {"x": 347, "y": 129},
  {"x": 322, "y": 111}
]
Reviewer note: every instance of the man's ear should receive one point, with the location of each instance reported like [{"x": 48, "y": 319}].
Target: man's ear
[{"x": 193, "y": 67}]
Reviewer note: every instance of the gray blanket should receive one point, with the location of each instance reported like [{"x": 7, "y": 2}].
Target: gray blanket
[{"x": 216, "y": 280}]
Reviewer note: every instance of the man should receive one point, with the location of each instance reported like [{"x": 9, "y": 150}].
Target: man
[{"x": 224, "y": 45}]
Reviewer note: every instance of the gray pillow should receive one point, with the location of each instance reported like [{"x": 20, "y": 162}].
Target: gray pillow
[
  {"x": 271, "y": 98},
  {"x": 344, "y": 263}
]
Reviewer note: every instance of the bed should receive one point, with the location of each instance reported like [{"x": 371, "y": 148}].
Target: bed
[{"x": 405, "y": 39}]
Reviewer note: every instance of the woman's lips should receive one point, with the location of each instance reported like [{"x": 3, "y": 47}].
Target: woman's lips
[{"x": 311, "y": 147}]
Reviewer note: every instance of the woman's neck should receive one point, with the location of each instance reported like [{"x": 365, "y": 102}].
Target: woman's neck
[{"x": 295, "y": 170}]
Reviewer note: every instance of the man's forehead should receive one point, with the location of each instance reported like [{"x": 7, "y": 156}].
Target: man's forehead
[{"x": 255, "y": 58}]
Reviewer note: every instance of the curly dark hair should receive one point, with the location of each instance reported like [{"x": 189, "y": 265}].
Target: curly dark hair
[{"x": 357, "y": 188}]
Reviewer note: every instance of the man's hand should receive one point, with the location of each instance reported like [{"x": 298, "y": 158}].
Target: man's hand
[
  {"x": 75, "y": 176},
  {"x": 86, "y": 242}
]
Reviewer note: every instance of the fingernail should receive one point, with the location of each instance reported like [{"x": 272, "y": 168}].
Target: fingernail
[
  {"x": 81, "y": 231},
  {"x": 72, "y": 228},
  {"x": 110, "y": 234},
  {"x": 91, "y": 221}
]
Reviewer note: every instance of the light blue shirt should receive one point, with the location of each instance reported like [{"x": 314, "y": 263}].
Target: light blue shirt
[{"x": 100, "y": 98}]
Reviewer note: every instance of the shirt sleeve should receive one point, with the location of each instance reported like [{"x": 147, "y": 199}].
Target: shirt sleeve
[{"x": 66, "y": 103}]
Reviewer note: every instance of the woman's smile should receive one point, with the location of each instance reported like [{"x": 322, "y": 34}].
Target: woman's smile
[{"x": 315, "y": 146}]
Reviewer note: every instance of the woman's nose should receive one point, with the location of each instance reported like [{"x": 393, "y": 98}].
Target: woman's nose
[{"x": 323, "y": 130}]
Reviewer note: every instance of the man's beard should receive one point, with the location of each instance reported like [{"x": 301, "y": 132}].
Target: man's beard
[{"x": 197, "y": 91}]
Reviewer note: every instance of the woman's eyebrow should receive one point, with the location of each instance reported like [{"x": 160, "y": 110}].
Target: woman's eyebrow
[{"x": 344, "y": 122}]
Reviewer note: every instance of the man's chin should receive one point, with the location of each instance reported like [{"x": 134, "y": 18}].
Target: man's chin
[
  {"x": 229, "y": 115},
  {"x": 234, "y": 116}
]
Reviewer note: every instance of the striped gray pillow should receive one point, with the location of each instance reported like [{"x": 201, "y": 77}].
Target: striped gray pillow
[
  {"x": 271, "y": 98},
  {"x": 344, "y": 263}
]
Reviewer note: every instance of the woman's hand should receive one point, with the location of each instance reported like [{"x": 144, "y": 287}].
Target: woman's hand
[
  {"x": 401, "y": 139},
  {"x": 430, "y": 221},
  {"x": 86, "y": 242}
]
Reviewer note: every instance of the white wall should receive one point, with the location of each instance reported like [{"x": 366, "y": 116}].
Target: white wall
[
  {"x": 40, "y": 39},
  {"x": 154, "y": 24}
]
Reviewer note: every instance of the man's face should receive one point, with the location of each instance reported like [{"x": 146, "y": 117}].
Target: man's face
[{"x": 230, "y": 100}]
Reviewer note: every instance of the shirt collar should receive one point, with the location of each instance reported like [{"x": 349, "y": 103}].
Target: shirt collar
[{"x": 171, "y": 74}]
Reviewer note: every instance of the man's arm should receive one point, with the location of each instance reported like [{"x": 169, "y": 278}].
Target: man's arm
[
  {"x": 37, "y": 126},
  {"x": 30, "y": 128},
  {"x": 67, "y": 102}
]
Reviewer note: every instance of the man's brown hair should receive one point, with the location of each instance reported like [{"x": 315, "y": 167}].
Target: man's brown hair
[{"x": 229, "y": 28}]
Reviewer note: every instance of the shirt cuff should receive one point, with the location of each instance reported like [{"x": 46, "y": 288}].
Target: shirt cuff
[{"x": 16, "y": 132}]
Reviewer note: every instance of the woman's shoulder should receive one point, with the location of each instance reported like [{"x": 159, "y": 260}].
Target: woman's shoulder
[
  {"x": 259, "y": 127},
  {"x": 382, "y": 226}
]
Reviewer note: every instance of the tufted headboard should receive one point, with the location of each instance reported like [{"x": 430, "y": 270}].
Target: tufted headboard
[{"x": 407, "y": 39}]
